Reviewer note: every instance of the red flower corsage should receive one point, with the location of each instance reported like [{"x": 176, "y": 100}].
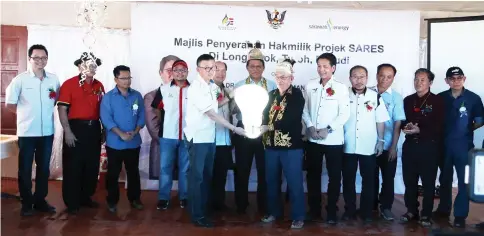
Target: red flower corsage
[
  {"x": 330, "y": 91},
  {"x": 52, "y": 93},
  {"x": 416, "y": 109},
  {"x": 277, "y": 108},
  {"x": 161, "y": 105},
  {"x": 220, "y": 96},
  {"x": 368, "y": 106}
]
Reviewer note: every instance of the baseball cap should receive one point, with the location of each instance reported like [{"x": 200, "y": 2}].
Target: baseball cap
[
  {"x": 179, "y": 62},
  {"x": 454, "y": 71}
]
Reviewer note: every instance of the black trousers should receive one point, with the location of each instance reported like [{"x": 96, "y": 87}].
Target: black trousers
[
  {"x": 334, "y": 163},
  {"x": 419, "y": 159},
  {"x": 223, "y": 161},
  {"x": 387, "y": 193},
  {"x": 30, "y": 149},
  {"x": 245, "y": 149},
  {"x": 80, "y": 164},
  {"x": 367, "y": 172},
  {"x": 116, "y": 158}
]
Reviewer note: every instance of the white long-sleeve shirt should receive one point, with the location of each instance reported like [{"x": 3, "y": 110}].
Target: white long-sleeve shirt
[{"x": 327, "y": 106}]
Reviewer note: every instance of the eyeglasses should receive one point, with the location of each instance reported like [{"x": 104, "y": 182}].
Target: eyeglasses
[
  {"x": 180, "y": 71},
  {"x": 207, "y": 69},
  {"x": 283, "y": 77},
  {"x": 37, "y": 59},
  {"x": 124, "y": 78},
  {"x": 453, "y": 79}
]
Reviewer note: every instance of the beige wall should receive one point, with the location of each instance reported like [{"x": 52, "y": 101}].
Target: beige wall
[{"x": 118, "y": 14}]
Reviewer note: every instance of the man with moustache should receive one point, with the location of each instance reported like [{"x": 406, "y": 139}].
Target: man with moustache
[
  {"x": 170, "y": 103},
  {"x": 387, "y": 162},
  {"x": 327, "y": 109},
  {"x": 32, "y": 96},
  {"x": 223, "y": 152},
  {"x": 464, "y": 114},
  {"x": 423, "y": 130},
  {"x": 246, "y": 148},
  {"x": 201, "y": 117},
  {"x": 123, "y": 118},
  {"x": 152, "y": 121},
  {"x": 363, "y": 143},
  {"x": 79, "y": 102}
]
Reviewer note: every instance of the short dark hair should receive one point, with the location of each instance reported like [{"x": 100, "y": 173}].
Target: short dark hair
[
  {"x": 225, "y": 64},
  {"x": 117, "y": 70},
  {"x": 381, "y": 66},
  {"x": 430, "y": 74},
  {"x": 37, "y": 47},
  {"x": 330, "y": 57},
  {"x": 358, "y": 67},
  {"x": 204, "y": 57}
]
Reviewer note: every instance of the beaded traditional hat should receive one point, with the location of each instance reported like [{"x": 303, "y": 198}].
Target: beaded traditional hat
[{"x": 255, "y": 53}]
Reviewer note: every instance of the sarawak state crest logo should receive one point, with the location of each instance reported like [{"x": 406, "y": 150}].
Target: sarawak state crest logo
[{"x": 275, "y": 19}]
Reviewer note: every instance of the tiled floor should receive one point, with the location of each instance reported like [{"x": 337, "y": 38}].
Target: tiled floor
[{"x": 175, "y": 221}]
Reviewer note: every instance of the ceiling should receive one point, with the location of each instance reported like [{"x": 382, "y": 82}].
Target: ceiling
[{"x": 451, "y": 6}]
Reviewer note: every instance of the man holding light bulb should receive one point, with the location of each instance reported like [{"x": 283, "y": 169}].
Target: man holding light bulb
[
  {"x": 201, "y": 117},
  {"x": 247, "y": 148},
  {"x": 282, "y": 125}
]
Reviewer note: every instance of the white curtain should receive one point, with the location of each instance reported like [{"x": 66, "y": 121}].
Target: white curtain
[{"x": 65, "y": 45}]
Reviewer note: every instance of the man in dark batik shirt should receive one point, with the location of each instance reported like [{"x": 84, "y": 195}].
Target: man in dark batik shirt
[
  {"x": 423, "y": 128},
  {"x": 282, "y": 123}
]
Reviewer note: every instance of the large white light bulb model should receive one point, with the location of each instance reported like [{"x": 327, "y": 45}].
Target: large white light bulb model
[{"x": 251, "y": 100}]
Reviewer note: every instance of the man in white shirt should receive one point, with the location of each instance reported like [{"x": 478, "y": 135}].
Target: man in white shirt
[
  {"x": 325, "y": 113},
  {"x": 152, "y": 121},
  {"x": 223, "y": 152},
  {"x": 32, "y": 96},
  {"x": 362, "y": 141},
  {"x": 170, "y": 103},
  {"x": 199, "y": 132}
]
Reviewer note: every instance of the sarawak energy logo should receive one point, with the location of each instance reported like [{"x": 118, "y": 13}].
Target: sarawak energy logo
[
  {"x": 227, "y": 23},
  {"x": 330, "y": 26}
]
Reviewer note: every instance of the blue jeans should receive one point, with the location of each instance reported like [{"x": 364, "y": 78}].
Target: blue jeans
[
  {"x": 292, "y": 167},
  {"x": 168, "y": 148},
  {"x": 41, "y": 149},
  {"x": 200, "y": 174},
  {"x": 456, "y": 154}
]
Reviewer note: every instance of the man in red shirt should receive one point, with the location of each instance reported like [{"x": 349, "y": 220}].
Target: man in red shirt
[{"x": 78, "y": 105}]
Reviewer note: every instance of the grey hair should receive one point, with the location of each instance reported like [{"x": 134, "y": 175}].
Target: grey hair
[{"x": 166, "y": 59}]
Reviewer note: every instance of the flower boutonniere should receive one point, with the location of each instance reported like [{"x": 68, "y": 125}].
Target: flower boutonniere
[
  {"x": 463, "y": 110},
  {"x": 330, "y": 91},
  {"x": 52, "y": 93},
  {"x": 369, "y": 106},
  {"x": 99, "y": 93},
  {"x": 276, "y": 108},
  {"x": 220, "y": 96},
  {"x": 161, "y": 105},
  {"x": 135, "y": 107}
]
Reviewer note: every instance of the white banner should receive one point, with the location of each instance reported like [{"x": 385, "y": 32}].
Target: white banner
[{"x": 366, "y": 38}]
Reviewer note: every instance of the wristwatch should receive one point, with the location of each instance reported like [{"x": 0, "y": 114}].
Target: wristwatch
[{"x": 330, "y": 130}]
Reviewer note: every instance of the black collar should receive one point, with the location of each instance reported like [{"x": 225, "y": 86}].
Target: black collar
[
  {"x": 173, "y": 82},
  {"x": 354, "y": 91}
]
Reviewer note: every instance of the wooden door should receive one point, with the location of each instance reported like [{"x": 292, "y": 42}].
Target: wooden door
[{"x": 13, "y": 62}]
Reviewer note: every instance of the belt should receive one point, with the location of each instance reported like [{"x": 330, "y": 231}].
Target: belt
[{"x": 85, "y": 122}]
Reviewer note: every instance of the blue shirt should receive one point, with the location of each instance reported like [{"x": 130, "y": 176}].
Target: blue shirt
[
  {"x": 35, "y": 100},
  {"x": 125, "y": 113},
  {"x": 394, "y": 104},
  {"x": 271, "y": 85},
  {"x": 460, "y": 115}
]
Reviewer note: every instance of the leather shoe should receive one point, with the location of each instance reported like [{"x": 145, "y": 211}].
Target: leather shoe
[{"x": 45, "y": 207}]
